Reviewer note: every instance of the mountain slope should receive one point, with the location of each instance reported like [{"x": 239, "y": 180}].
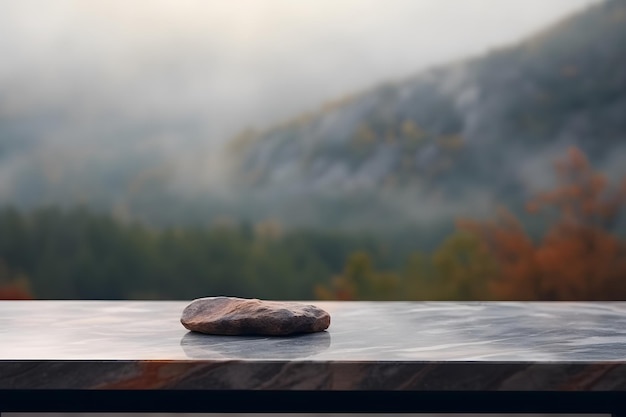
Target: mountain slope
[{"x": 483, "y": 129}]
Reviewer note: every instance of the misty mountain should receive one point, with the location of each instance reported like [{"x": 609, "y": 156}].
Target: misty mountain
[{"x": 453, "y": 140}]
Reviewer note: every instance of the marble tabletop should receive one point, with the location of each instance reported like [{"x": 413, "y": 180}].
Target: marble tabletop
[{"x": 435, "y": 346}]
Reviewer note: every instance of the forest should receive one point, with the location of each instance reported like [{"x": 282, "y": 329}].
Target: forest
[{"x": 53, "y": 253}]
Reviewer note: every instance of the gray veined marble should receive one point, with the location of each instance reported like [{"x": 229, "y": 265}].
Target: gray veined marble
[
  {"x": 369, "y": 345},
  {"x": 198, "y": 346}
]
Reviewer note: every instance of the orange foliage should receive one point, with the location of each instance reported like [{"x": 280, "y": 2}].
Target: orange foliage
[
  {"x": 578, "y": 258},
  {"x": 14, "y": 292},
  {"x": 514, "y": 251},
  {"x": 583, "y": 196},
  {"x": 13, "y": 286}
]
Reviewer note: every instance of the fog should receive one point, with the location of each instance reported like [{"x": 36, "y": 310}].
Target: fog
[
  {"x": 101, "y": 99},
  {"x": 176, "y": 73}
]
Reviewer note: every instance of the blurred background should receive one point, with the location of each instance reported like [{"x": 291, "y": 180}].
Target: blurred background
[{"x": 353, "y": 149}]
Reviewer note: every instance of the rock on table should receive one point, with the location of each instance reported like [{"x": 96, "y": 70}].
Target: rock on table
[{"x": 239, "y": 316}]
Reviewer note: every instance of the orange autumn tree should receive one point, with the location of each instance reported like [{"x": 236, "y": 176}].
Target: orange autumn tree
[
  {"x": 517, "y": 276},
  {"x": 578, "y": 258},
  {"x": 13, "y": 286}
]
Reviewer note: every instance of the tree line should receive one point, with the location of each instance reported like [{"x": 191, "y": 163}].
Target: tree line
[{"x": 51, "y": 253}]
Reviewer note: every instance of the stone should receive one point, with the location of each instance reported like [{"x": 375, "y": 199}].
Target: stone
[{"x": 243, "y": 316}]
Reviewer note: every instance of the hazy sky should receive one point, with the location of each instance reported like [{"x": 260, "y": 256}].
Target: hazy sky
[{"x": 206, "y": 69}]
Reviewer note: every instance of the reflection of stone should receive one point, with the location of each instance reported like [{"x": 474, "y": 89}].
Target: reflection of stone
[
  {"x": 241, "y": 316},
  {"x": 200, "y": 346}
]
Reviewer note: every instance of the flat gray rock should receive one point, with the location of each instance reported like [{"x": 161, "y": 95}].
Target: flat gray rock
[{"x": 242, "y": 316}]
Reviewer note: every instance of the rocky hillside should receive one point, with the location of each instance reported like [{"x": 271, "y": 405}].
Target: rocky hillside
[{"x": 461, "y": 135}]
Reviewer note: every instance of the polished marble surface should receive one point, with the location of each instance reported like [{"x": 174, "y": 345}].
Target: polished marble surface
[{"x": 369, "y": 345}]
